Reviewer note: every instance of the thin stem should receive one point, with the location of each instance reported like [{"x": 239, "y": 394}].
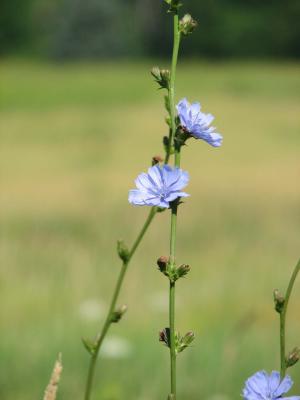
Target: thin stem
[
  {"x": 116, "y": 293},
  {"x": 172, "y": 337},
  {"x": 173, "y": 207},
  {"x": 176, "y": 43},
  {"x": 283, "y": 312}
]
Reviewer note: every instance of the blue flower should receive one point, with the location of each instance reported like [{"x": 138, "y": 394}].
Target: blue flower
[
  {"x": 159, "y": 186},
  {"x": 262, "y": 386},
  {"x": 197, "y": 124}
]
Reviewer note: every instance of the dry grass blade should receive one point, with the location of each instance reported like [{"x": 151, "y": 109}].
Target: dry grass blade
[{"x": 51, "y": 390}]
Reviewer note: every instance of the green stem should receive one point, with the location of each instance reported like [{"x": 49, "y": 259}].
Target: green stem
[
  {"x": 172, "y": 338},
  {"x": 176, "y": 43},
  {"x": 116, "y": 293},
  {"x": 173, "y": 207},
  {"x": 283, "y": 312}
]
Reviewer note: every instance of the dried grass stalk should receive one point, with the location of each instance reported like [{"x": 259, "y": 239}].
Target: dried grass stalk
[{"x": 51, "y": 390}]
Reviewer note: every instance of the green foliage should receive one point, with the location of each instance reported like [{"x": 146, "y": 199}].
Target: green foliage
[{"x": 110, "y": 28}]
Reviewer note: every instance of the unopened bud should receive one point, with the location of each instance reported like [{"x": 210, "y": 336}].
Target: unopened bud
[
  {"x": 161, "y": 76},
  {"x": 293, "y": 357},
  {"x": 185, "y": 341},
  {"x": 187, "y": 24},
  {"x": 157, "y": 160},
  {"x": 174, "y": 5},
  {"x": 164, "y": 336},
  {"x": 162, "y": 264},
  {"x": 183, "y": 270},
  {"x": 188, "y": 338},
  {"x": 278, "y": 300},
  {"x": 118, "y": 314},
  {"x": 123, "y": 251}
]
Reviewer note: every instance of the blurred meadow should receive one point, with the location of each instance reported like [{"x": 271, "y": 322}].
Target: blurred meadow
[{"x": 74, "y": 136}]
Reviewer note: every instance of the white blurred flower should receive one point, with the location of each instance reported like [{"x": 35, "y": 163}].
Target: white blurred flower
[
  {"x": 92, "y": 310},
  {"x": 116, "y": 347}
]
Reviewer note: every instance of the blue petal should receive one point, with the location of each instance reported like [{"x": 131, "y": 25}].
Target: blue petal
[
  {"x": 274, "y": 381},
  {"x": 143, "y": 183},
  {"x": 195, "y": 109},
  {"x": 174, "y": 195},
  {"x": 155, "y": 175},
  {"x": 258, "y": 384},
  {"x": 136, "y": 197},
  {"x": 284, "y": 386}
]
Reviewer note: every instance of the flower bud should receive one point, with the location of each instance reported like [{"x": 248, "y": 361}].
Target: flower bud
[
  {"x": 278, "y": 300},
  {"x": 187, "y": 25},
  {"x": 162, "y": 264},
  {"x": 182, "y": 270},
  {"x": 156, "y": 160},
  {"x": 174, "y": 5},
  {"x": 161, "y": 76},
  {"x": 185, "y": 341},
  {"x": 118, "y": 314},
  {"x": 164, "y": 336},
  {"x": 293, "y": 357},
  {"x": 123, "y": 251}
]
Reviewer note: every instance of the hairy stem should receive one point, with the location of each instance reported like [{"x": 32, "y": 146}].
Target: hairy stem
[
  {"x": 283, "y": 365},
  {"x": 173, "y": 207},
  {"x": 108, "y": 320}
]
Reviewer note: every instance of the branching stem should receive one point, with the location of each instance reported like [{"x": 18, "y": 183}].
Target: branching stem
[{"x": 108, "y": 320}]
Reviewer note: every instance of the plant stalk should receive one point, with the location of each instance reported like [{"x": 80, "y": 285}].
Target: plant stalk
[
  {"x": 283, "y": 365},
  {"x": 174, "y": 207},
  {"x": 108, "y": 320}
]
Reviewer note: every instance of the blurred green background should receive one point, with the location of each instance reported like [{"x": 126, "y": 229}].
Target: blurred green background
[{"x": 74, "y": 135}]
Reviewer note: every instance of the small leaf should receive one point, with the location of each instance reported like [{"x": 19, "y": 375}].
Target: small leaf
[{"x": 89, "y": 345}]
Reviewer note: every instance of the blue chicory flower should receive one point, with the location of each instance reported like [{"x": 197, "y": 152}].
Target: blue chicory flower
[
  {"x": 160, "y": 186},
  {"x": 197, "y": 124},
  {"x": 262, "y": 386}
]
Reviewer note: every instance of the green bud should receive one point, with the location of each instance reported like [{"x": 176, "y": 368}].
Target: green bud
[
  {"x": 171, "y": 397},
  {"x": 161, "y": 76},
  {"x": 185, "y": 341},
  {"x": 293, "y": 357},
  {"x": 187, "y": 25},
  {"x": 278, "y": 300},
  {"x": 118, "y": 314},
  {"x": 174, "y": 5},
  {"x": 182, "y": 270},
  {"x": 123, "y": 251},
  {"x": 89, "y": 345}
]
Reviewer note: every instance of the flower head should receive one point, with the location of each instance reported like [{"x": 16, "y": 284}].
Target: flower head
[
  {"x": 197, "y": 123},
  {"x": 160, "y": 186},
  {"x": 262, "y": 386}
]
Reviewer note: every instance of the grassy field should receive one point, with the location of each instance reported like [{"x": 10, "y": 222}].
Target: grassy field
[{"x": 73, "y": 139}]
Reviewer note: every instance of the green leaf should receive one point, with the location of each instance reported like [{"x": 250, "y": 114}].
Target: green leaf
[{"x": 89, "y": 345}]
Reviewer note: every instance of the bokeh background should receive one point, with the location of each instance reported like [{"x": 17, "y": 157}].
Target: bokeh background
[{"x": 80, "y": 118}]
